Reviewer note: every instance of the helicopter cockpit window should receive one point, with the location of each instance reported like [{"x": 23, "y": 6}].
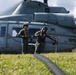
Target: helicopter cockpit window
[
  {"x": 3, "y": 30},
  {"x": 15, "y": 31}
]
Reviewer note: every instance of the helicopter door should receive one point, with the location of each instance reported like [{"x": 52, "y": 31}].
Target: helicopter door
[{"x": 3, "y": 36}]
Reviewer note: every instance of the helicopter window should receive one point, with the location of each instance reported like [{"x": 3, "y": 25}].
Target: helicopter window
[
  {"x": 3, "y": 30},
  {"x": 32, "y": 31},
  {"x": 15, "y": 31}
]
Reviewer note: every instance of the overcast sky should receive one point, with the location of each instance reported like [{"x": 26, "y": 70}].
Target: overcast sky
[{"x": 68, "y": 4}]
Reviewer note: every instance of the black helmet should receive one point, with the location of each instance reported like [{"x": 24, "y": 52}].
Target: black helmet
[{"x": 45, "y": 28}]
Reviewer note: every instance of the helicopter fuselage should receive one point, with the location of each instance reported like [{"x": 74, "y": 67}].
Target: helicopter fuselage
[{"x": 60, "y": 25}]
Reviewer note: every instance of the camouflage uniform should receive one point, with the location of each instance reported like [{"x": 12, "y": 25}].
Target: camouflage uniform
[
  {"x": 40, "y": 40},
  {"x": 25, "y": 36}
]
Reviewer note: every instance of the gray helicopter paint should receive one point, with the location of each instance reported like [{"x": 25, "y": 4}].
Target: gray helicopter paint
[
  {"x": 30, "y": 7},
  {"x": 60, "y": 25},
  {"x": 35, "y": 6},
  {"x": 60, "y": 19},
  {"x": 23, "y": 17},
  {"x": 13, "y": 43},
  {"x": 56, "y": 18},
  {"x": 58, "y": 10}
]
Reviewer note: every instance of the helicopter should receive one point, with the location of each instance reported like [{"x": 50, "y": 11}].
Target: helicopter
[{"x": 59, "y": 22}]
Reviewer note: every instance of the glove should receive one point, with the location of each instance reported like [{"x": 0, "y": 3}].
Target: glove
[{"x": 55, "y": 42}]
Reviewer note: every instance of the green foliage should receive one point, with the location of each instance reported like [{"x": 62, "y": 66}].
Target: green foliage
[
  {"x": 66, "y": 61},
  {"x": 22, "y": 65}
]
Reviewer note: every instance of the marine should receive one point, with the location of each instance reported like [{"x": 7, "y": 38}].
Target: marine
[
  {"x": 40, "y": 39},
  {"x": 24, "y": 34}
]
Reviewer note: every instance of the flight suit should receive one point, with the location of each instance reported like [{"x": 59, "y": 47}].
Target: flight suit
[
  {"x": 40, "y": 41},
  {"x": 25, "y": 36}
]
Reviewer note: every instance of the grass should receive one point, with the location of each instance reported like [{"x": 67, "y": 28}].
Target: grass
[
  {"x": 28, "y": 65},
  {"x": 22, "y": 65},
  {"x": 66, "y": 61}
]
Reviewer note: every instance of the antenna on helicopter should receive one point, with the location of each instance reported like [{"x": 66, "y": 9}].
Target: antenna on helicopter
[{"x": 46, "y": 2}]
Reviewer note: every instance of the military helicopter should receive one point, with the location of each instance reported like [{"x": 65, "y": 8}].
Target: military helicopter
[{"x": 59, "y": 22}]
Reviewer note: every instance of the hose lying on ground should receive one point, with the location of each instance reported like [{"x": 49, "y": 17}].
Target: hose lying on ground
[{"x": 52, "y": 66}]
